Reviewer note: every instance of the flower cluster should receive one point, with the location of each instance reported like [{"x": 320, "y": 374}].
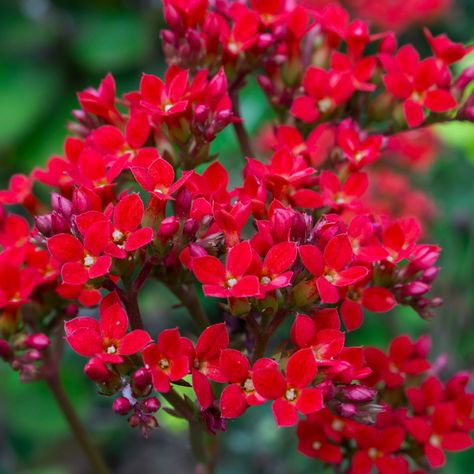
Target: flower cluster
[
  {"x": 306, "y": 240},
  {"x": 418, "y": 417}
]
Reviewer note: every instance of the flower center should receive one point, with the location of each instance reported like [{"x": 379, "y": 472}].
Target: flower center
[
  {"x": 117, "y": 236},
  {"x": 111, "y": 349},
  {"x": 290, "y": 394},
  {"x": 435, "y": 441},
  {"x": 325, "y": 105},
  {"x": 89, "y": 261},
  {"x": 337, "y": 425},
  {"x": 316, "y": 445},
  {"x": 231, "y": 282},
  {"x": 265, "y": 280},
  {"x": 167, "y": 107},
  {"x": 373, "y": 453},
  {"x": 164, "y": 363},
  {"x": 248, "y": 385}
]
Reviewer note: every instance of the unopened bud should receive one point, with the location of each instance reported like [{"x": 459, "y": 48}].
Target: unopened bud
[
  {"x": 97, "y": 371},
  {"x": 134, "y": 420},
  {"x": 358, "y": 393},
  {"x": 141, "y": 379},
  {"x": 80, "y": 202},
  {"x": 415, "y": 288},
  {"x": 44, "y": 225},
  {"x": 5, "y": 349},
  {"x": 168, "y": 227},
  {"x": 38, "y": 341},
  {"x": 151, "y": 405},
  {"x": 61, "y": 205},
  {"x": 121, "y": 406},
  {"x": 182, "y": 204}
]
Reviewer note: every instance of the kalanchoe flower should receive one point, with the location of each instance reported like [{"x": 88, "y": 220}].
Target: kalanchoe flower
[
  {"x": 167, "y": 360},
  {"x": 291, "y": 394},
  {"x": 107, "y": 339},
  {"x": 230, "y": 280}
]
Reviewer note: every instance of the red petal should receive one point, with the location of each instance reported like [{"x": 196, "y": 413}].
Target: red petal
[
  {"x": 139, "y": 239},
  {"x": 310, "y": 400},
  {"x": 457, "y": 441},
  {"x": 239, "y": 259},
  {"x": 232, "y": 403},
  {"x": 414, "y": 113},
  {"x": 279, "y": 258},
  {"x": 202, "y": 388},
  {"x": 133, "y": 342},
  {"x": 269, "y": 382},
  {"x": 161, "y": 381},
  {"x": 128, "y": 213},
  {"x": 439, "y": 101},
  {"x": 86, "y": 342},
  {"x": 312, "y": 259},
  {"x": 234, "y": 365},
  {"x": 169, "y": 342},
  {"x": 352, "y": 315},
  {"x": 327, "y": 292},
  {"x": 435, "y": 456},
  {"x": 301, "y": 368},
  {"x": 65, "y": 248},
  {"x": 419, "y": 429},
  {"x": 285, "y": 413},
  {"x": 338, "y": 252},
  {"x": 138, "y": 129},
  {"x": 356, "y": 184},
  {"x": 350, "y": 276},
  {"x": 378, "y": 299},
  {"x": 74, "y": 273},
  {"x": 81, "y": 323},
  {"x": 97, "y": 237},
  {"x": 179, "y": 368},
  {"x": 247, "y": 286},
  {"x": 305, "y": 109},
  {"x": 113, "y": 322},
  {"x": 209, "y": 270},
  {"x": 303, "y": 331},
  {"x": 211, "y": 341},
  {"x": 101, "y": 267}
]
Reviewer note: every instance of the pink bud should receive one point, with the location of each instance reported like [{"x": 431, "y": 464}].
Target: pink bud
[
  {"x": 121, "y": 406},
  {"x": 97, "y": 371},
  {"x": 172, "y": 18},
  {"x": 37, "y": 341},
  {"x": 191, "y": 226},
  {"x": 196, "y": 251},
  {"x": 415, "y": 288},
  {"x": 61, "y": 205},
  {"x": 168, "y": 227},
  {"x": 358, "y": 393},
  {"x": 80, "y": 202},
  {"x": 168, "y": 36},
  {"x": 32, "y": 355},
  {"x": 5, "y": 349},
  {"x": 141, "y": 379},
  {"x": 134, "y": 420},
  {"x": 151, "y": 405},
  {"x": 182, "y": 204},
  {"x": 44, "y": 225},
  {"x": 59, "y": 223}
]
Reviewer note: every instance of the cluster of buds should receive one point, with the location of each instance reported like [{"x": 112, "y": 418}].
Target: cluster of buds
[
  {"x": 304, "y": 241},
  {"x": 419, "y": 417}
]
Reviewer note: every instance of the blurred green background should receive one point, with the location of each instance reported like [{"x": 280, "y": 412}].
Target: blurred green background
[{"x": 51, "y": 49}]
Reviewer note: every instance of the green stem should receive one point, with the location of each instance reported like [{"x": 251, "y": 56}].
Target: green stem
[
  {"x": 97, "y": 464},
  {"x": 187, "y": 295}
]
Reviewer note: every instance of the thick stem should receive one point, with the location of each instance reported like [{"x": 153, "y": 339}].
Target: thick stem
[
  {"x": 97, "y": 464},
  {"x": 187, "y": 295},
  {"x": 240, "y": 131}
]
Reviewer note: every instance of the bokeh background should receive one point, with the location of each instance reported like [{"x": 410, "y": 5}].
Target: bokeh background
[{"x": 49, "y": 50}]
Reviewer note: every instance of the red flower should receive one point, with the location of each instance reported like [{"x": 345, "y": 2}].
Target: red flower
[
  {"x": 446, "y": 50},
  {"x": 230, "y": 280},
  {"x": 291, "y": 394},
  {"x": 16, "y": 283},
  {"x": 415, "y": 82},
  {"x": 332, "y": 268},
  {"x": 168, "y": 360},
  {"x": 205, "y": 362},
  {"x": 107, "y": 338},
  {"x": 376, "y": 449},
  {"x": 241, "y": 393},
  {"x": 439, "y": 433},
  {"x": 82, "y": 262},
  {"x": 360, "y": 152},
  {"x": 325, "y": 92},
  {"x": 157, "y": 177},
  {"x": 128, "y": 215}
]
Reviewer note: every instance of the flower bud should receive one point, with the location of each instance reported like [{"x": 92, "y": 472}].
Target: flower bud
[
  {"x": 172, "y": 18},
  {"x": 97, "y": 371},
  {"x": 168, "y": 36},
  {"x": 61, "y": 205},
  {"x": 121, "y": 406},
  {"x": 141, "y": 379},
  {"x": 151, "y": 405},
  {"x": 80, "y": 202},
  {"x": 134, "y": 420},
  {"x": 358, "y": 393},
  {"x": 191, "y": 226},
  {"x": 59, "y": 223},
  {"x": 415, "y": 288},
  {"x": 37, "y": 341},
  {"x": 5, "y": 349},
  {"x": 32, "y": 355},
  {"x": 168, "y": 227},
  {"x": 182, "y": 204},
  {"x": 44, "y": 225}
]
